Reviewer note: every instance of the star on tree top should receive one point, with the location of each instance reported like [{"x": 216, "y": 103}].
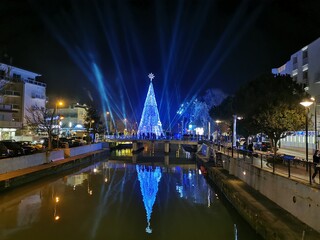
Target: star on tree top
[{"x": 151, "y": 76}]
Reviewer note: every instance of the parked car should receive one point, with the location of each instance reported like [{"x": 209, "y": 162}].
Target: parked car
[
  {"x": 64, "y": 142},
  {"x": 4, "y": 151},
  {"x": 78, "y": 141},
  {"x": 38, "y": 146},
  {"x": 15, "y": 147},
  {"x": 55, "y": 142},
  {"x": 27, "y": 147},
  {"x": 263, "y": 146}
]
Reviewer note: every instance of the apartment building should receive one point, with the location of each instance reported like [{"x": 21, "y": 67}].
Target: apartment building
[
  {"x": 19, "y": 91},
  {"x": 72, "y": 119},
  {"x": 304, "y": 67}
]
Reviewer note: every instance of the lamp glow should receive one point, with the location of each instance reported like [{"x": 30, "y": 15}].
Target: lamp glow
[{"x": 306, "y": 103}]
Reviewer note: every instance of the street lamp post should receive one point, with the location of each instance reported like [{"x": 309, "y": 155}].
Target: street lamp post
[
  {"x": 234, "y": 133},
  {"x": 108, "y": 127},
  {"x": 307, "y": 104},
  {"x": 219, "y": 134},
  {"x": 58, "y": 103},
  {"x": 315, "y": 124},
  {"x": 90, "y": 123}
]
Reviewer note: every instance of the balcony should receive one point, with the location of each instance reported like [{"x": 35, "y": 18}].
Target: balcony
[
  {"x": 11, "y": 93},
  {"x": 10, "y": 124},
  {"x": 16, "y": 107},
  {"x": 37, "y": 96},
  {"x": 5, "y": 107},
  {"x": 25, "y": 80}
]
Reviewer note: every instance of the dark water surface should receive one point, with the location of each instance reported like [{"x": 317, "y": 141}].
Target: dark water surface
[{"x": 114, "y": 199}]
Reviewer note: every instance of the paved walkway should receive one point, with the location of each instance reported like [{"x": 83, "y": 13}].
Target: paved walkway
[{"x": 297, "y": 170}]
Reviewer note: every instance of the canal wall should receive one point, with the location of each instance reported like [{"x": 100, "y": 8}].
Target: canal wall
[
  {"x": 275, "y": 206},
  {"x": 19, "y": 177},
  {"x": 26, "y": 161},
  {"x": 298, "y": 198}
]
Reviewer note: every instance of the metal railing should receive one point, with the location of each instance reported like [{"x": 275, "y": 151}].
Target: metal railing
[{"x": 281, "y": 164}]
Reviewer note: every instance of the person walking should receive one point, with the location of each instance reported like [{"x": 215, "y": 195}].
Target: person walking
[{"x": 316, "y": 164}]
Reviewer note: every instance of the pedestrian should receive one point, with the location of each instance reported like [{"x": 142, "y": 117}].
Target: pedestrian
[
  {"x": 250, "y": 147},
  {"x": 316, "y": 164},
  {"x": 237, "y": 144}
]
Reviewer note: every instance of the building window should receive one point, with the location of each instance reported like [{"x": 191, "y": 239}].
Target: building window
[
  {"x": 295, "y": 78},
  {"x": 305, "y": 57},
  {"x": 305, "y": 78},
  {"x": 15, "y": 106},
  {"x": 305, "y": 54},
  {"x": 295, "y": 63},
  {"x": 17, "y": 76},
  {"x": 11, "y": 93}
]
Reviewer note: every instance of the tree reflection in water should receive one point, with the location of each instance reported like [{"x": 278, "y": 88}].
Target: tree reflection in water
[{"x": 149, "y": 178}]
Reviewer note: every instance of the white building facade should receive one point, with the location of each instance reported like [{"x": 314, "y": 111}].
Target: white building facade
[
  {"x": 72, "y": 120},
  {"x": 304, "y": 67},
  {"x": 20, "y": 90}
]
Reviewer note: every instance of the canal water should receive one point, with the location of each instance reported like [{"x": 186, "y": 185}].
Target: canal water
[{"x": 123, "y": 197}]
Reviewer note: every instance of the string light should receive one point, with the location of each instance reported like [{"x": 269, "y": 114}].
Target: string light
[{"x": 150, "y": 121}]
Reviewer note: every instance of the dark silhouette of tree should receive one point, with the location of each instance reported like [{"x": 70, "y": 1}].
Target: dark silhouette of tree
[
  {"x": 40, "y": 119},
  {"x": 91, "y": 120},
  {"x": 268, "y": 104}
]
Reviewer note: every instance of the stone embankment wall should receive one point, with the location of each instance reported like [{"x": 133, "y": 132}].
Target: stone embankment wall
[
  {"x": 26, "y": 161},
  {"x": 277, "y": 207},
  {"x": 298, "y": 198}
]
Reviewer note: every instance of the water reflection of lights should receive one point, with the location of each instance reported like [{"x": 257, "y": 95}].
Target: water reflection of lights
[
  {"x": 149, "y": 179},
  {"x": 106, "y": 171},
  {"x": 28, "y": 210},
  {"x": 179, "y": 189},
  {"x": 89, "y": 190},
  {"x": 191, "y": 186},
  {"x": 77, "y": 179},
  {"x": 56, "y": 215},
  {"x": 124, "y": 152}
]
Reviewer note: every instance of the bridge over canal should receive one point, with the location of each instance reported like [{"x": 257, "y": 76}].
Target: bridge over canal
[{"x": 138, "y": 143}]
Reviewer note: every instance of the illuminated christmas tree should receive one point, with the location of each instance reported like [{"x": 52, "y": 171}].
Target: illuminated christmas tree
[{"x": 150, "y": 123}]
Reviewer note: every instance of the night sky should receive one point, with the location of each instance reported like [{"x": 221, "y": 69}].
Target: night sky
[{"x": 102, "y": 51}]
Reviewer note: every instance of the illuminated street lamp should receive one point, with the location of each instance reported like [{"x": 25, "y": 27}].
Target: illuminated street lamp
[
  {"x": 219, "y": 134},
  {"x": 108, "y": 125},
  {"x": 234, "y": 132},
  {"x": 315, "y": 123},
  {"x": 90, "y": 124},
  {"x": 307, "y": 103},
  {"x": 58, "y": 103}
]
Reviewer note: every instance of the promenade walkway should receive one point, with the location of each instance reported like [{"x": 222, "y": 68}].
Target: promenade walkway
[{"x": 297, "y": 169}]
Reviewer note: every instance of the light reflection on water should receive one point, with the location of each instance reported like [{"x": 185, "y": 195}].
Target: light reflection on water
[{"x": 120, "y": 200}]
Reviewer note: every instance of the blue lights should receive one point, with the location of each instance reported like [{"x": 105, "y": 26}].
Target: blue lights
[
  {"x": 149, "y": 179},
  {"x": 150, "y": 123}
]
